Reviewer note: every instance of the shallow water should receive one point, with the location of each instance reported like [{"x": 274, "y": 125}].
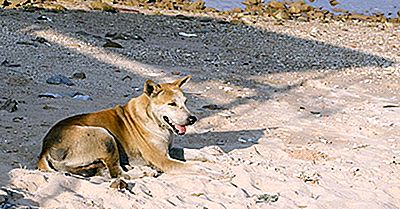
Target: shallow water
[{"x": 387, "y": 7}]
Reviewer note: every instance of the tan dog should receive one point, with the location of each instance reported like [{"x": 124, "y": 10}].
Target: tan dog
[{"x": 138, "y": 132}]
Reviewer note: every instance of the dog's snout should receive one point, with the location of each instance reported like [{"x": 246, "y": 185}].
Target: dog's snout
[{"x": 192, "y": 119}]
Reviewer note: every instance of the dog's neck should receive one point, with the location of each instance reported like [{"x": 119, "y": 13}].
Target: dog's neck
[{"x": 139, "y": 107}]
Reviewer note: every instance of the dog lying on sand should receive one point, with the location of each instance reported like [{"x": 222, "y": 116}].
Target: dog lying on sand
[{"x": 140, "y": 131}]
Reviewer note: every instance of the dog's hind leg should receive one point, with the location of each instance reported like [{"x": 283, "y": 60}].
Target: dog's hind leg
[{"x": 81, "y": 150}]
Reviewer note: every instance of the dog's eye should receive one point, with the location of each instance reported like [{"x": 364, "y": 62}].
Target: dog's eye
[{"x": 173, "y": 104}]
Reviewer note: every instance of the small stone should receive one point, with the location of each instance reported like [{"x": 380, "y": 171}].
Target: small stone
[
  {"x": 97, "y": 5},
  {"x": 119, "y": 184},
  {"x": 79, "y": 75},
  {"x": 277, "y": 5},
  {"x": 333, "y": 2},
  {"x": 59, "y": 79}
]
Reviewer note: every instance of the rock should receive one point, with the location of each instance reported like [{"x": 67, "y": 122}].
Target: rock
[
  {"x": 119, "y": 184},
  {"x": 197, "y": 5},
  {"x": 236, "y": 10},
  {"x": 277, "y": 5},
  {"x": 112, "y": 44},
  {"x": 254, "y": 6},
  {"x": 333, "y": 2},
  {"x": 97, "y": 5},
  {"x": 79, "y": 75},
  {"x": 252, "y": 2},
  {"x": 281, "y": 15},
  {"x": 59, "y": 79},
  {"x": 52, "y": 7},
  {"x": 299, "y": 7},
  {"x": 10, "y": 105}
]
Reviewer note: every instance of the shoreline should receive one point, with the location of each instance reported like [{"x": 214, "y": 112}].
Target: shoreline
[{"x": 297, "y": 10}]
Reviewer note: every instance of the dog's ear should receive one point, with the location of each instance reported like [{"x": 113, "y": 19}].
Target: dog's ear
[
  {"x": 150, "y": 87},
  {"x": 181, "y": 82}
]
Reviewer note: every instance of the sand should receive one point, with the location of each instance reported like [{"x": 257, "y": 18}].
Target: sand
[{"x": 303, "y": 114}]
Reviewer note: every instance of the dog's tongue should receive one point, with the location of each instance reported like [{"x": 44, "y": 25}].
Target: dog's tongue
[{"x": 181, "y": 129}]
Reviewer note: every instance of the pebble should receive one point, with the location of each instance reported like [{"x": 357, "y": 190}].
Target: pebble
[
  {"x": 119, "y": 184},
  {"x": 59, "y": 79},
  {"x": 79, "y": 75}
]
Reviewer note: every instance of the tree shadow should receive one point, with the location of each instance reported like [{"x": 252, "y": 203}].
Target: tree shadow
[{"x": 152, "y": 47}]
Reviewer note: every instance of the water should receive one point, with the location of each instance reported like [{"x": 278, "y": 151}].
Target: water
[{"x": 369, "y": 7}]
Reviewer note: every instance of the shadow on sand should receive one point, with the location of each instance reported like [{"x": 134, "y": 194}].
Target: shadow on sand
[{"x": 152, "y": 48}]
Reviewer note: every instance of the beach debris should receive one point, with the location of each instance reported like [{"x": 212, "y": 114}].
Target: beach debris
[
  {"x": 7, "y": 63},
  {"x": 75, "y": 95},
  {"x": 175, "y": 72},
  {"x": 11, "y": 105},
  {"x": 50, "y": 95},
  {"x": 247, "y": 140},
  {"x": 119, "y": 184},
  {"x": 59, "y": 79},
  {"x": 112, "y": 44},
  {"x": 189, "y": 35},
  {"x": 267, "y": 198},
  {"x": 82, "y": 97}
]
